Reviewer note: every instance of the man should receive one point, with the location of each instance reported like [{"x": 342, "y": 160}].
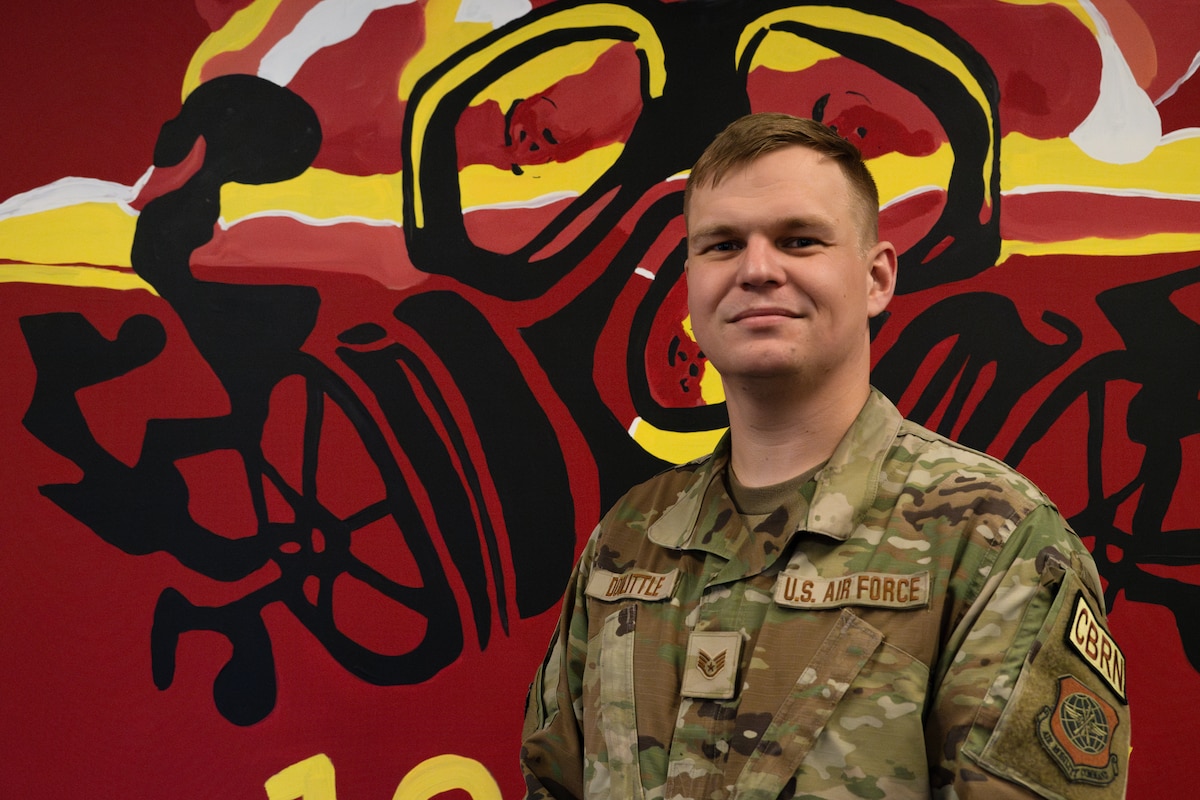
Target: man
[{"x": 836, "y": 602}]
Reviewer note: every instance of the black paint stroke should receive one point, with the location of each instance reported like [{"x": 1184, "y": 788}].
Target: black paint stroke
[
  {"x": 1161, "y": 345},
  {"x": 252, "y": 337}
]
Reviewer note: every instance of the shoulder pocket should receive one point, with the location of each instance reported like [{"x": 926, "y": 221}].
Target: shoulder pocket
[{"x": 1064, "y": 731}]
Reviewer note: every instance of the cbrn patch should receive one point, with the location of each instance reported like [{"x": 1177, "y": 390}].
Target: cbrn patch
[{"x": 1088, "y": 637}]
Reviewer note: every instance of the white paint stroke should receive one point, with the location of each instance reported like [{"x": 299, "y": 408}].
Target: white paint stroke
[
  {"x": 327, "y": 23},
  {"x": 307, "y": 219},
  {"x": 1123, "y": 127},
  {"x": 497, "y": 12},
  {"x": 911, "y": 193},
  {"x": 1180, "y": 135},
  {"x": 535, "y": 202},
  {"x": 1063, "y": 188},
  {"x": 1191, "y": 70},
  {"x": 70, "y": 191}
]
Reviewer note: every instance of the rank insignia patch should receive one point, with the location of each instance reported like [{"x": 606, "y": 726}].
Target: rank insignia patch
[
  {"x": 1078, "y": 733},
  {"x": 712, "y": 664}
]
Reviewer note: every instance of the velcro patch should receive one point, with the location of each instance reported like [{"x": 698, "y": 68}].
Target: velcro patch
[
  {"x": 1077, "y": 732},
  {"x": 1092, "y": 642},
  {"x": 880, "y": 589},
  {"x": 712, "y": 665},
  {"x": 649, "y": 586}
]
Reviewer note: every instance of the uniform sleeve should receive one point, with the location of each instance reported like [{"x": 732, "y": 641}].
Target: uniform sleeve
[
  {"x": 552, "y": 739},
  {"x": 1029, "y": 693}
]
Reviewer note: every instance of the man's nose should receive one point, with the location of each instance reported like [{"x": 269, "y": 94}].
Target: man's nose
[{"x": 760, "y": 263}]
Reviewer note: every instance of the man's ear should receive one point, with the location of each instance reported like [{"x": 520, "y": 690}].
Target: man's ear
[{"x": 882, "y": 277}]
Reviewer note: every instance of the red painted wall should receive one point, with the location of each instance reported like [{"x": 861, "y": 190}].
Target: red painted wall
[{"x": 308, "y": 480}]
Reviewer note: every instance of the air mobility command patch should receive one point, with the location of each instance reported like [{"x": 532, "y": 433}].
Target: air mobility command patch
[{"x": 1077, "y": 733}]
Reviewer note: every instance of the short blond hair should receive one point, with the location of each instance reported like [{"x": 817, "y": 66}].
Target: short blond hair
[{"x": 746, "y": 139}]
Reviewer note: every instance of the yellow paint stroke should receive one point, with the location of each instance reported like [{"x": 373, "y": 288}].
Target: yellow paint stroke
[
  {"x": 444, "y": 36},
  {"x": 484, "y": 185},
  {"x": 779, "y": 51},
  {"x": 897, "y": 174},
  {"x": 446, "y": 773},
  {"x": 600, "y": 14},
  {"x": 536, "y": 74},
  {"x": 857, "y": 22},
  {"x": 679, "y": 447},
  {"x": 712, "y": 390},
  {"x": 73, "y": 275},
  {"x": 1059, "y": 165},
  {"x": 242, "y": 28},
  {"x": 311, "y": 779},
  {"x": 1151, "y": 244},
  {"x": 1169, "y": 169},
  {"x": 85, "y": 233},
  {"x": 318, "y": 194},
  {"x": 674, "y": 446},
  {"x": 314, "y": 778}
]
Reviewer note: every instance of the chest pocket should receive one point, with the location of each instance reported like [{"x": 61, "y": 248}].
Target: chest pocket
[{"x": 807, "y": 708}]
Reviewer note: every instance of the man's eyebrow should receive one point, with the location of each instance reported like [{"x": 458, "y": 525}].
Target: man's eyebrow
[
  {"x": 719, "y": 230},
  {"x": 804, "y": 223},
  {"x": 792, "y": 224}
]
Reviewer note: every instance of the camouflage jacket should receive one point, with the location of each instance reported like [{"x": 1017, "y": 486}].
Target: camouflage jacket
[{"x": 928, "y": 626}]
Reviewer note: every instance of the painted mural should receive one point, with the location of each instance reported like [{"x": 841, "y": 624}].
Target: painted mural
[{"x": 311, "y": 403}]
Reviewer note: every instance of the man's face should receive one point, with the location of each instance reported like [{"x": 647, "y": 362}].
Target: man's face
[{"x": 780, "y": 281}]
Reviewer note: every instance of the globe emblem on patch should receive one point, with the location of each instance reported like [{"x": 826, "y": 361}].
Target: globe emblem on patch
[
  {"x": 1077, "y": 733},
  {"x": 1084, "y": 722}
]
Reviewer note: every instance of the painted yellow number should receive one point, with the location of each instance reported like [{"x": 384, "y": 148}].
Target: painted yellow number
[
  {"x": 443, "y": 773},
  {"x": 313, "y": 779}
]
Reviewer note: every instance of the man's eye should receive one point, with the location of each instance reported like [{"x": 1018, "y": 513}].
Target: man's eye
[
  {"x": 799, "y": 241},
  {"x": 724, "y": 247}
]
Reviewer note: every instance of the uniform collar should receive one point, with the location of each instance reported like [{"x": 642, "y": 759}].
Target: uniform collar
[{"x": 704, "y": 516}]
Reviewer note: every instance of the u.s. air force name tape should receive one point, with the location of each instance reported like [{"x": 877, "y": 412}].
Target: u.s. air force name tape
[{"x": 879, "y": 589}]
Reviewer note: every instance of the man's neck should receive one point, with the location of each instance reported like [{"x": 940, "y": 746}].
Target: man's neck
[{"x": 775, "y": 436}]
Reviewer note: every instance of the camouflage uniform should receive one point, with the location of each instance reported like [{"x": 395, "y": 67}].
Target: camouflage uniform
[{"x": 927, "y": 626}]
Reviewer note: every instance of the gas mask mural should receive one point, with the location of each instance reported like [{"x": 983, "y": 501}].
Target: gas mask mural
[{"x": 425, "y": 343}]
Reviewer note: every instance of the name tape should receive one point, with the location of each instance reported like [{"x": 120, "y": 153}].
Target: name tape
[
  {"x": 880, "y": 589},
  {"x": 650, "y": 586},
  {"x": 1094, "y": 645}
]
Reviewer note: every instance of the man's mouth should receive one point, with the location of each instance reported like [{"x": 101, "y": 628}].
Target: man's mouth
[{"x": 763, "y": 312}]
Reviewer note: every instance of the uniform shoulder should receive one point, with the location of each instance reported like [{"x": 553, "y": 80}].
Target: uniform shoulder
[{"x": 935, "y": 460}]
